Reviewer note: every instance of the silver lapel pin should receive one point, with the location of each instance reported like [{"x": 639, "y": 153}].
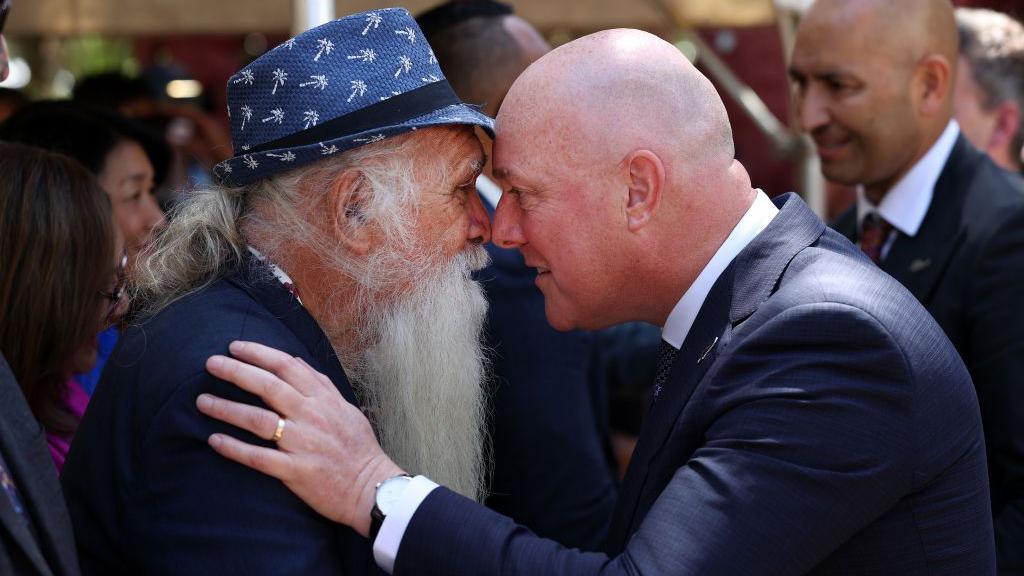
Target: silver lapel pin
[
  {"x": 920, "y": 264},
  {"x": 708, "y": 350}
]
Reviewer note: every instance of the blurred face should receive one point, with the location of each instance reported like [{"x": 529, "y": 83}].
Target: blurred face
[
  {"x": 127, "y": 177},
  {"x": 557, "y": 219},
  {"x": 111, "y": 306},
  {"x": 976, "y": 121},
  {"x": 853, "y": 99}
]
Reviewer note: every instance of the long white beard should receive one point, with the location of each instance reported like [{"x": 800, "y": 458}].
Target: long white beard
[{"x": 421, "y": 379}]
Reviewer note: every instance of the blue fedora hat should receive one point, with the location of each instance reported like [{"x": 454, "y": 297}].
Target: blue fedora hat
[{"x": 353, "y": 81}]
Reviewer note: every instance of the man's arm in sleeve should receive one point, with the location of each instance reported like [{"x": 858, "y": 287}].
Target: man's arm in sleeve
[{"x": 783, "y": 478}]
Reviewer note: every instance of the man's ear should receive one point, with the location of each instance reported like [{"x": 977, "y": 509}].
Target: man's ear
[
  {"x": 1006, "y": 126},
  {"x": 933, "y": 81},
  {"x": 348, "y": 201},
  {"x": 645, "y": 174}
]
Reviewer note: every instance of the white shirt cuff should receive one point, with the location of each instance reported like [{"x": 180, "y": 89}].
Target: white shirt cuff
[{"x": 385, "y": 547}]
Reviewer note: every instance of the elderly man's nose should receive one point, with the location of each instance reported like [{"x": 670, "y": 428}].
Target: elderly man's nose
[{"x": 479, "y": 223}]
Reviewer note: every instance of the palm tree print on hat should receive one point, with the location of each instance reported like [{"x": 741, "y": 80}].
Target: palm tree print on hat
[
  {"x": 373, "y": 20},
  {"x": 404, "y": 65},
  {"x": 311, "y": 117},
  {"x": 358, "y": 89},
  {"x": 250, "y": 162},
  {"x": 276, "y": 115},
  {"x": 365, "y": 55},
  {"x": 246, "y": 115},
  {"x": 319, "y": 81},
  {"x": 279, "y": 77},
  {"x": 409, "y": 33},
  {"x": 245, "y": 76},
  {"x": 325, "y": 46},
  {"x": 370, "y": 140},
  {"x": 328, "y": 150},
  {"x": 288, "y": 156}
]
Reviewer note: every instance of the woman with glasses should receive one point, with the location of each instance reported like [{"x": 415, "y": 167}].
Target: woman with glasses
[{"x": 61, "y": 271}]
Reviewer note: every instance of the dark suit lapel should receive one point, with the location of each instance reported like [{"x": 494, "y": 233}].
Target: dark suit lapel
[
  {"x": 746, "y": 283},
  {"x": 29, "y": 461},
  {"x": 256, "y": 280},
  {"x": 698, "y": 353},
  {"x": 846, "y": 224},
  {"x": 919, "y": 262}
]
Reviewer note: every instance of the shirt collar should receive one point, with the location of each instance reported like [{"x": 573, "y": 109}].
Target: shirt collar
[
  {"x": 756, "y": 219},
  {"x": 906, "y": 203},
  {"x": 490, "y": 190},
  {"x": 281, "y": 275}
]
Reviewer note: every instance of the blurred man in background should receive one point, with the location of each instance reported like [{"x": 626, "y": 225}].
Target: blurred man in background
[
  {"x": 874, "y": 82},
  {"x": 551, "y": 472},
  {"x": 989, "y": 93}
]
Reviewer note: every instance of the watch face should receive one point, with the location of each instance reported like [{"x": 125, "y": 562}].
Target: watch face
[{"x": 390, "y": 491}]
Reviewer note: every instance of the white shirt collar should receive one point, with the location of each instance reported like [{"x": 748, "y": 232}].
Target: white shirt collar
[
  {"x": 756, "y": 219},
  {"x": 281, "y": 275},
  {"x": 906, "y": 203},
  {"x": 489, "y": 190}
]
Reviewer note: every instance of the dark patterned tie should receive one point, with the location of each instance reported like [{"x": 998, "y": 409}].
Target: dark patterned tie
[
  {"x": 874, "y": 231},
  {"x": 666, "y": 356}
]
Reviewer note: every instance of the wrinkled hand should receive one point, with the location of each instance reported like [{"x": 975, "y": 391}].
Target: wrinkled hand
[{"x": 327, "y": 455}]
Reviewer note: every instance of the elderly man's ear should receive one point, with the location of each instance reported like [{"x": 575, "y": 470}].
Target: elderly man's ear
[
  {"x": 348, "y": 201},
  {"x": 645, "y": 175}
]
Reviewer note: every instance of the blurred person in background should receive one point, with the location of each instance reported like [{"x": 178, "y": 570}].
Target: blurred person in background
[
  {"x": 989, "y": 92},
  {"x": 127, "y": 160},
  {"x": 58, "y": 286},
  {"x": 198, "y": 139},
  {"x": 549, "y": 429},
  {"x": 11, "y": 101},
  {"x": 874, "y": 84}
]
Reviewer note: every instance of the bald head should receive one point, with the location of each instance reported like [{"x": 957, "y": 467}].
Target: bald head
[
  {"x": 903, "y": 29},
  {"x": 616, "y": 91}
]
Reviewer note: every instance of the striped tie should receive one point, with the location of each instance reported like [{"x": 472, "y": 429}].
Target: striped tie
[{"x": 874, "y": 231}]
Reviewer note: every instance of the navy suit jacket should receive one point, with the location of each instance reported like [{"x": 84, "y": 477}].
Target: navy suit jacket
[
  {"x": 50, "y": 550},
  {"x": 966, "y": 265},
  {"x": 816, "y": 421},
  {"x": 551, "y": 470},
  {"x": 147, "y": 495}
]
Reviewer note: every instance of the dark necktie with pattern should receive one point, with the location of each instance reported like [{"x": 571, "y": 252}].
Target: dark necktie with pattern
[
  {"x": 874, "y": 231},
  {"x": 666, "y": 357}
]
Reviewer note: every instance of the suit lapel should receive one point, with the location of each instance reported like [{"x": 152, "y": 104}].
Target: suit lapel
[
  {"x": 253, "y": 277},
  {"x": 28, "y": 460},
  {"x": 919, "y": 262},
  {"x": 747, "y": 282}
]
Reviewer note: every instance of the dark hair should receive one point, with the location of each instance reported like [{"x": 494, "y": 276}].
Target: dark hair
[
  {"x": 471, "y": 45},
  {"x": 56, "y": 256},
  {"x": 85, "y": 133},
  {"x": 111, "y": 90}
]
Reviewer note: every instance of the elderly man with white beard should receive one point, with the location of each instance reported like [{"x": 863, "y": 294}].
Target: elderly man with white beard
[{"x": 345, "y": 232}]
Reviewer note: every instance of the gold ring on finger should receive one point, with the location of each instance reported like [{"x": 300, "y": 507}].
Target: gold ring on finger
[{"x": 279, "y": 431}]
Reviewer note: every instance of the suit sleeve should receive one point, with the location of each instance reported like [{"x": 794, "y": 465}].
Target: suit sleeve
[
  {"x": 808, "y": 444},
  {"x": 996, "y": 361},
  {"x": 190, "y": 511}
]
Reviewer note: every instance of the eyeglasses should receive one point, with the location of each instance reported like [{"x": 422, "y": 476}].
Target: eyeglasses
[
  {"x": 5, "y": 9},
  {"x": 115, "y": 295}
]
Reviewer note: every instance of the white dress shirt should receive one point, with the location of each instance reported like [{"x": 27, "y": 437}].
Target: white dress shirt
[
  {"x": 906, "y": 203},
  {"x": 757, "y": 217},
  {"x": 680, "y": 320}
]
